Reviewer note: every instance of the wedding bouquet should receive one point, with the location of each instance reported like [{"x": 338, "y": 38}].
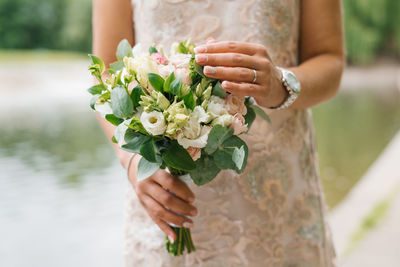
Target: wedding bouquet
[{"x": 175, "y": 117}]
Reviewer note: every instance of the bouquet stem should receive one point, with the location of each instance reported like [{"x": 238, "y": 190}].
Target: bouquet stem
[{"x": 183, "y": 235}]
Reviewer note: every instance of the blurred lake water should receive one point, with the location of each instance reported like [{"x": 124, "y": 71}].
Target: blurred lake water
[{"x": 62, "y": 190}]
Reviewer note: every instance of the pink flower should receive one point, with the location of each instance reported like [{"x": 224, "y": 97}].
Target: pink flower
[
  {"x": 194, "y": 152},
  {"x": 238, "y": 125},
  {"x": 184, "y": 74},
  {"x": 235, "y": 104},
  {"x": 159, "y": 58}
]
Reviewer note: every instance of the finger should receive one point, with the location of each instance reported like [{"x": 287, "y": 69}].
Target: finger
[
  {"x": 232, "y": 74},
  {"x": 242, "y": 89},
  {"x": 170, "y": 201},
  {"x": 157, "y": 210},
  {"x": 231, "y": 46},
  {"x": 173, "y": 184},
  {"x": 166, "y": 229},
  {"x": 210, "y": 40},
  {"x": 231, "y": 60}
]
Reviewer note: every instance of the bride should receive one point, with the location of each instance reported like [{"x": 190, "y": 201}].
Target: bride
[{"x": 289, "y": 56}]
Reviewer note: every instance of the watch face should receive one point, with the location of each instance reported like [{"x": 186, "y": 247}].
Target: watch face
[{"x": 294, "y": 84}]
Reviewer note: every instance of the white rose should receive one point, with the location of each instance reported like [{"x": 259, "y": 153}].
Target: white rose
[
  {"x": 144, "y": 64},
  {"x": 180, "y": 60},
  {"x": 235, "y": 104},
  {"x": 199, "y": 142},
  {"x": 153, "y": 122},
  {"x": 165, "y": 70},
  {"x": 216, "y": 106}
]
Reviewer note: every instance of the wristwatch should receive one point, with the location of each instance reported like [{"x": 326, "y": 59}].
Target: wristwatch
[{"x": 292, "y": 85}]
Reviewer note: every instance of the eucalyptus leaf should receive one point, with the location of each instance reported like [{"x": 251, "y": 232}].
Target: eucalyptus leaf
[
  {"x": 199, "y": 69},
  {"x": 218, "y": 91},
  {"x": 217, "y": 136},
  {"x": 135, "y": 95},
  {"x": 146, "y": 169},
  {"x": 249, "y": 117},
  {"x": 156, "y": 81},
  {"x": 97, "y": 89},
  {"x": 178, "y": 158},
  {"x": 148, "y": 151},
  {"x": 124, "y": 50},
  {"x": 206, "y": 170},
  {"x": 113, "y": 120},
  {"x": 121, "y": 103},
  {"x": 223, "y": 159},
  {"x": 261, "y": 113},
  {"x": 238, "y": 157},
  {"x": 93, "y": 101},
  {"x": 235, "y": 142},
  {"x": 117, "y": 65},
  {"x": 133, "y": 141}
]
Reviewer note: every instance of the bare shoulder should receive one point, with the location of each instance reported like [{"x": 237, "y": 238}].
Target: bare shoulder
[{"x": 112, "y": 22}]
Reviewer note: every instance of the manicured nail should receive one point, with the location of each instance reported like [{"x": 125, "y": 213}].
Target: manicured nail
[
  {"x": 200, "y": 49},
  {"x": 187, "y": 224},
  {"x": 171, "y": 239},
  {"x": 200, "y": 58},
  {"x": 193, "y": 212},
  {"x": 210, "y": 70},
  {"x": 224, "y": 84}
]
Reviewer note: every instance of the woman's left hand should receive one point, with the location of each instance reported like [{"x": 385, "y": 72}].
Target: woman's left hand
[{"x": 235, "y": 63}]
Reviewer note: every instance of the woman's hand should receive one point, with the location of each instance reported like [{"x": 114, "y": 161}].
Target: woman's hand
[
  {"x": 159, "y": 203},
  {"x": 235, "y": 62}
]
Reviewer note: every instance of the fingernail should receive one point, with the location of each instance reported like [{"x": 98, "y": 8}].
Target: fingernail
[
  {"x": 210, "y": 70},
  {"x": 200, "y": 49},
  {"x": 171, "y": 239},
  {"x": 224, "y": 84},
  {"x": 193, "y": 212},
  {"x": 187, "y": 224},
  {"x": 200, "y": 58},
  {"x": 191, "y": 199}
]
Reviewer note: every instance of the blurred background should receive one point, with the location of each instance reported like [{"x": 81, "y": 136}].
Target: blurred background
[{"x": 62, "y": 190}]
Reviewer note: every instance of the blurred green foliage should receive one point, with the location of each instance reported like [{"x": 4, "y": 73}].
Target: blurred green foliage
[
  {"x": 45, "y": 24},
  {"x": 372, "y": 27}
]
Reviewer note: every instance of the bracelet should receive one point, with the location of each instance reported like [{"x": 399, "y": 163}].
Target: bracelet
[{"x": 129, "y": 164}]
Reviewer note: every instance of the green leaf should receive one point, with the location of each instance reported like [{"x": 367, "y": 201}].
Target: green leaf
[
  {"x": 97, "y": 89},
  {"x": 114, "y": 140},
  {"x": 148, "y": 151},
  {"x": 135, "y": 95},
  {"x": 260, "y": 113},
  {"x": 113, "y": 120},
  {"x": 223, "y": 159},
  {"x": 218, "y": 91},
  {"x": 121, "y": 103},
  {"x": 178, "y": 158},
  {"x": 152, "y": 50},
  {"x": 175, "y": 87},
  {"x": 206, "y": 170},
  {"x": 238, "y": 157},
  {"x": 216, "y": 137},
  {"x": 146, "y": 169},
  {"x": 249, "y": 117},
  {"x": 99, "y": 61},
  {"x": 156, "y": 81},
  {"x": 93, "y": 101},
  {"x": 235, "y": 142},
  {"x": 117, "y": 65},
  {"x": 189, "y": 100},
  {"x": 133, "y": 141},
  {"x": 168, "y": 81},
  {"x": 124, "y": 50},
  {"x": 111, "y": 71}
]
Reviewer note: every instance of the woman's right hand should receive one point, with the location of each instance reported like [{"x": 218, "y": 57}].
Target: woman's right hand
[{"x": 160, "y": 203}]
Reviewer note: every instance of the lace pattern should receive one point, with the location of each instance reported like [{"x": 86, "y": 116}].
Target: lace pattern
[{"x": 274, "y": 213}]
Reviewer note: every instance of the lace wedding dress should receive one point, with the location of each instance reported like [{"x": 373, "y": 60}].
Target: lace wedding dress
[{"x": 274, "y": 213}]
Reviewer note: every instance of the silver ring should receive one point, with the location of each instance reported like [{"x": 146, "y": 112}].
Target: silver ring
[{"x": 255, "y": 76}]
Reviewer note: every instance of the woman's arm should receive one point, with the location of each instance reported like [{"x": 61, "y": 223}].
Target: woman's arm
[
  {"x": 321, "y": 60},
  {"x": 112, "y": 22}
]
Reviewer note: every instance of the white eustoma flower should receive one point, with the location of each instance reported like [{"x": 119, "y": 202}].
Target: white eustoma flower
[
  {"x": 224, "y": 120},
  {"x": 153, "y": 122},
  {"x": 194, "y": 134},
  {"x": 199, "y": 142},
  {"x": 216, "y": 106},
  {"x": 103, "y": 109}
]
